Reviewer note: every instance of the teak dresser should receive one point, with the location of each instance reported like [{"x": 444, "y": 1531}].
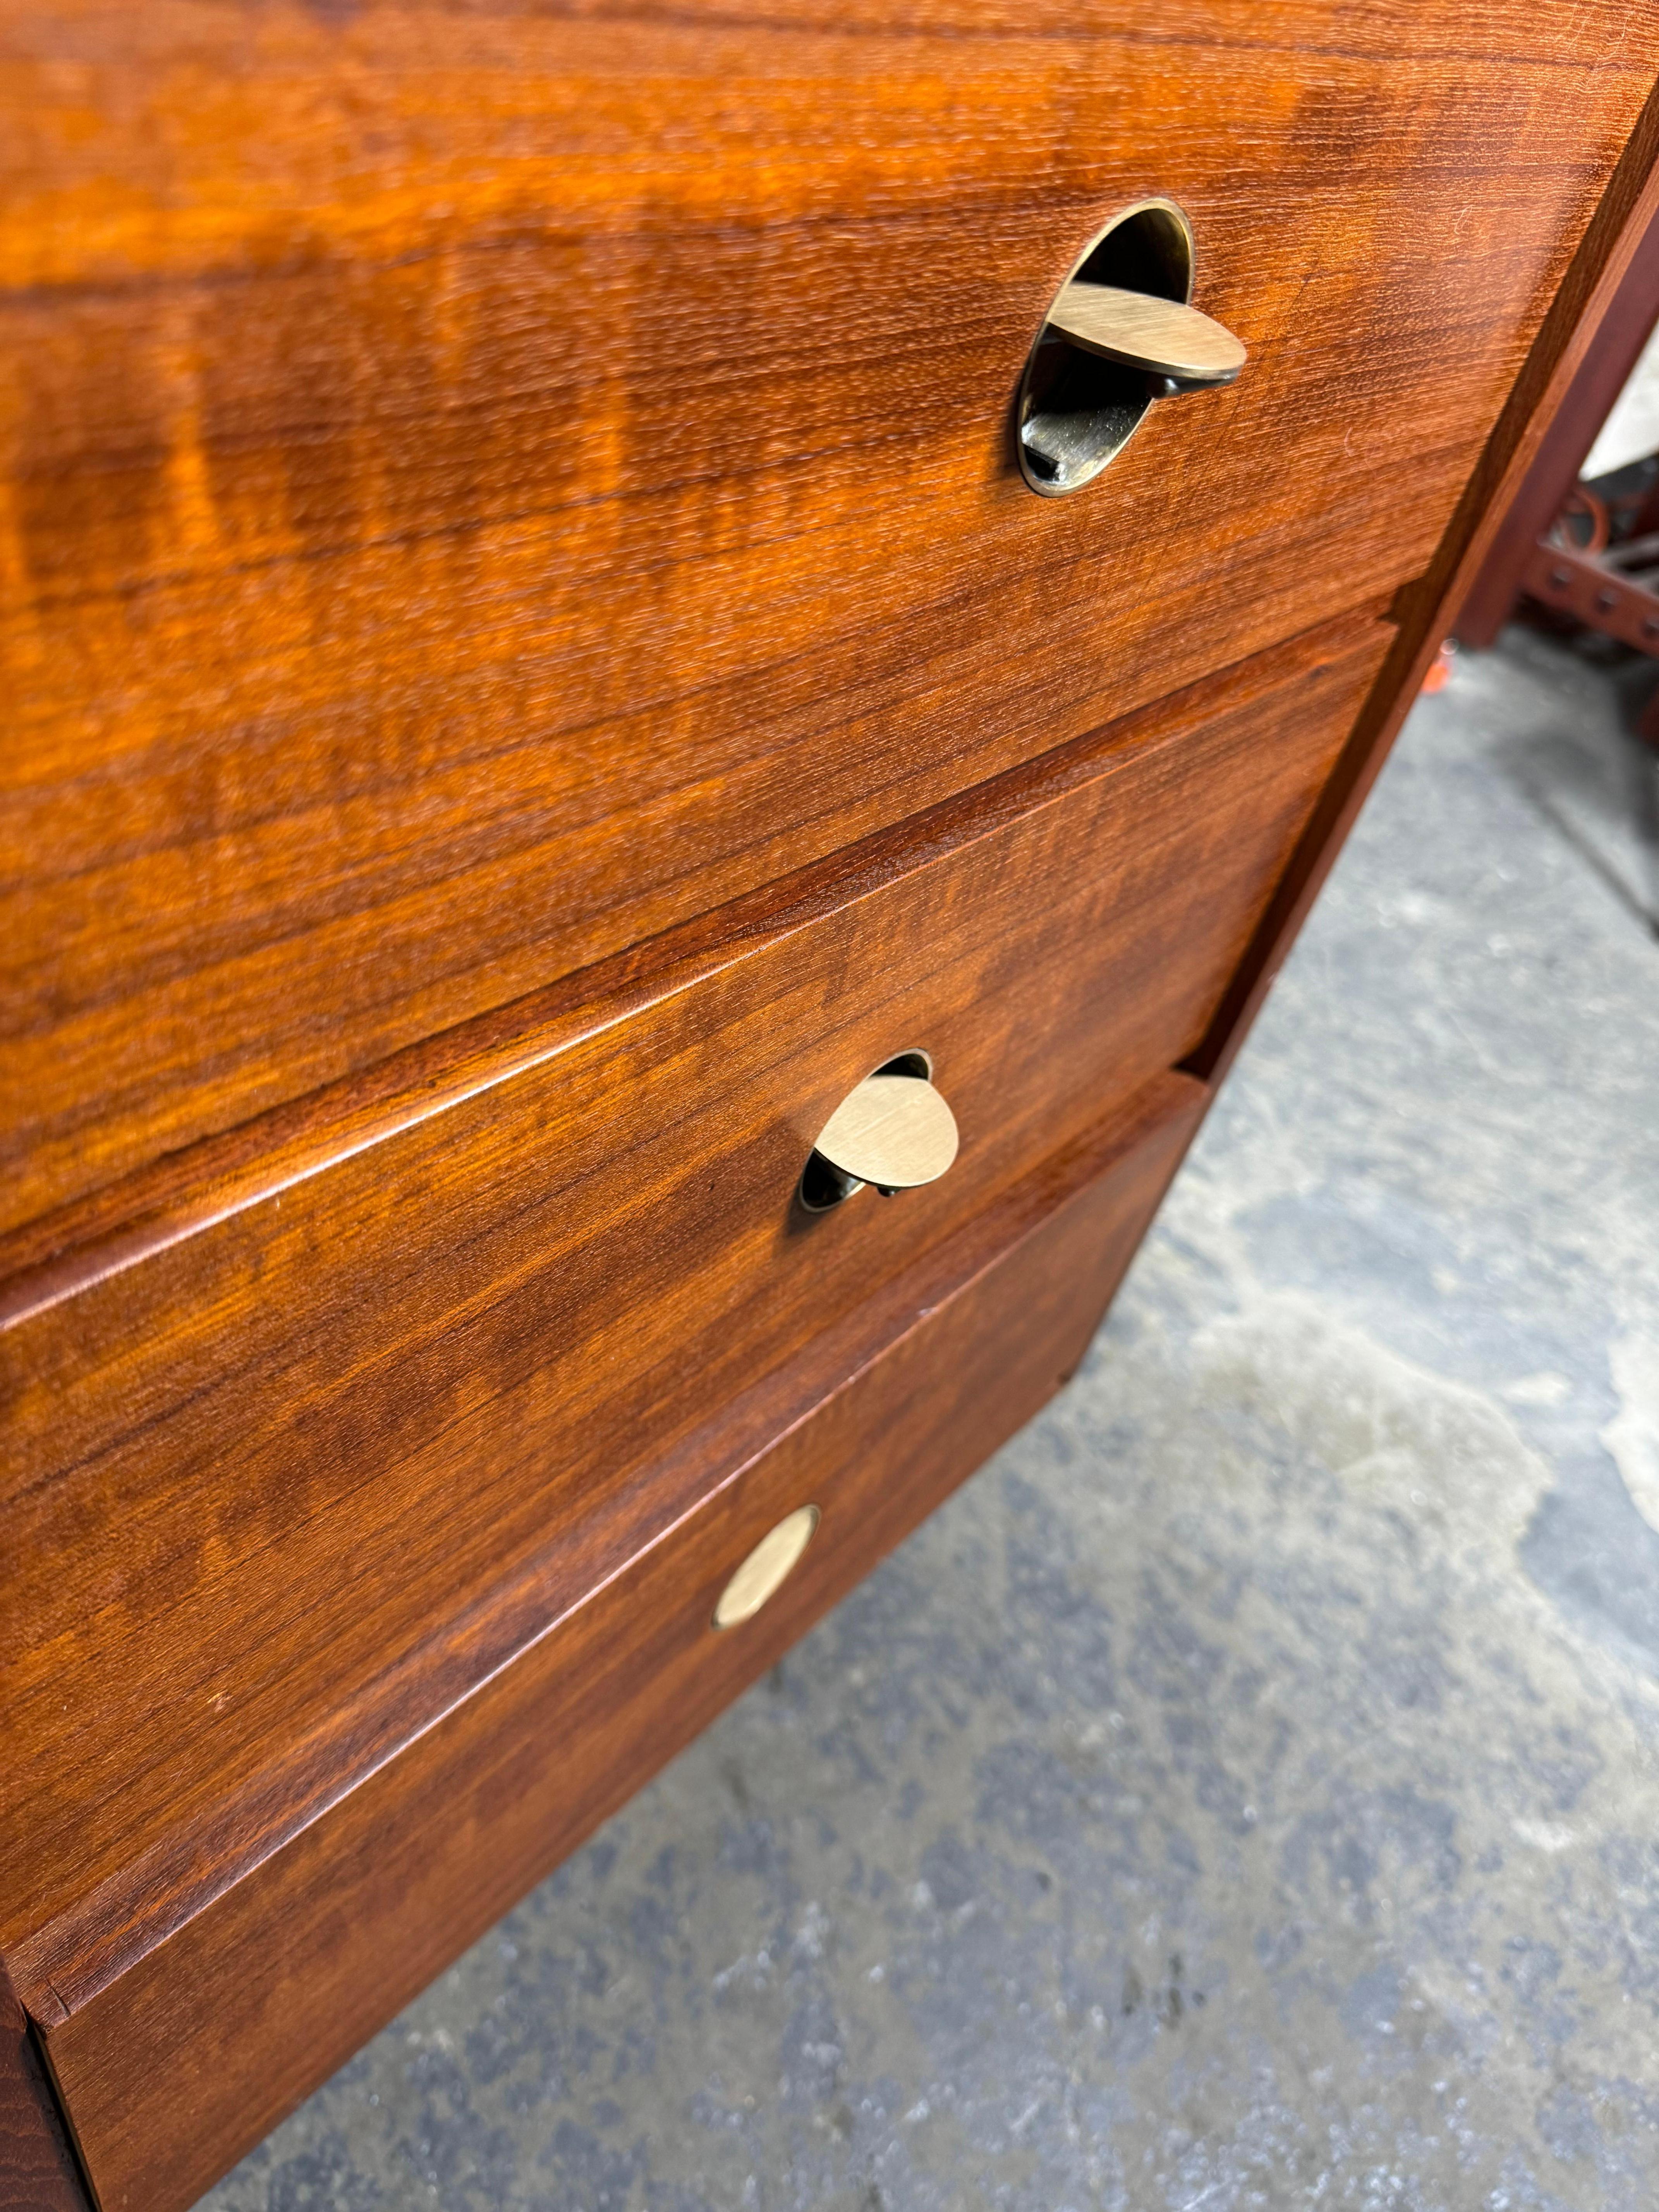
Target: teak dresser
[{"x": 580, "y": 581}]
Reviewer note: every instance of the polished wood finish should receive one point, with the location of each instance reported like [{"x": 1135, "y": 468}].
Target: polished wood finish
[
  {"x": 513, "y": 718},
  {"x": 480, "y": 487},
  {"x": 281, "y": 1458},
  {"x": 1426, "y": 614},
  {"x": 319, "y": 1944},
  {"x": 39, "y": 2172}
]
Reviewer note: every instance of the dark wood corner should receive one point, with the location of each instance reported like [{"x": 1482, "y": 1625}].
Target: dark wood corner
[{"x": 39, "y": 2170}]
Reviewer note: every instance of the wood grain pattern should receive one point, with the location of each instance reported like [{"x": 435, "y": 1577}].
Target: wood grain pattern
[
  {"x": 440, "y": 562},
  {"x": 320, "y": 1945},
  {"x": 1615, "y": 243},
  {"x": 258, "y": 1484},
  {"x": 38, "y": 2169},
  {"x": 58, "y": 1255},
  {"x": 437, "y": 550}
]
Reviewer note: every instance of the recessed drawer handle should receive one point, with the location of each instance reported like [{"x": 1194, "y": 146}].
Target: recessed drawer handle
[
  {"x": 764, "y": 1573},
  {"x": 894, "y": 1131},
  {"x": 1163, "y": 337},
  {"x": 1119, "y": 334}
]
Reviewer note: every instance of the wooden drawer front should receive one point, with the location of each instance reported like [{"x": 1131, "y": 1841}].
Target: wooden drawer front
[
  {"x": 189, "y": 2058},
  {"x": 478, "y": 486},
  {"x": 255, "y": 1480}
]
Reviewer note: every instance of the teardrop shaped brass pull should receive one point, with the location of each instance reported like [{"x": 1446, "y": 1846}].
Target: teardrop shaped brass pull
[
  {"x": 768, "y": 1567},
  {"x": 1118, "y": 338},
  {"x": 1164, "y": 338},
  {"x": 895, "y": 1131}
]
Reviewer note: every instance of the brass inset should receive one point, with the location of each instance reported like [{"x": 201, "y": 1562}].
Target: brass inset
[
  {"x": 1121, "y": 333},
  {"x": 895, "y": 1131},
  {"x": 764, "y": 1573},
  {"x": 1161, "y": 338}
]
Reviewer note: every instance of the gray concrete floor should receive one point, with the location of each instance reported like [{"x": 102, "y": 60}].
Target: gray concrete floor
[{"x": 1246, "y": 1791}]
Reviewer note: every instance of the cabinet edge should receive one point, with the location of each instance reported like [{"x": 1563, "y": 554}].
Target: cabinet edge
[
  {"x": 1426, "y": 610},
  {"x": 39, "y": 2171}
]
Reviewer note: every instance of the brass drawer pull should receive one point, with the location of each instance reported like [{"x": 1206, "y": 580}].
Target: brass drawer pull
[
  {"x": 894, "y": 1131},
  {"x": 1161, "y": 338},
  {"x": 764, "y": 1573},
  {"x": 1121, "y": 333}
]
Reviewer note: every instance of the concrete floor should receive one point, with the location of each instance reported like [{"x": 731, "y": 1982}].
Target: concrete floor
[{"x": 1246, "y": 1792}]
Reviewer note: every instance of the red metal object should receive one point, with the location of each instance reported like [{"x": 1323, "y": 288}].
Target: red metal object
[
  {"x": 1608, "y": 590},
  {"x": 1581, "y": 502},
  {"x": 1587, "y": 587}
]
